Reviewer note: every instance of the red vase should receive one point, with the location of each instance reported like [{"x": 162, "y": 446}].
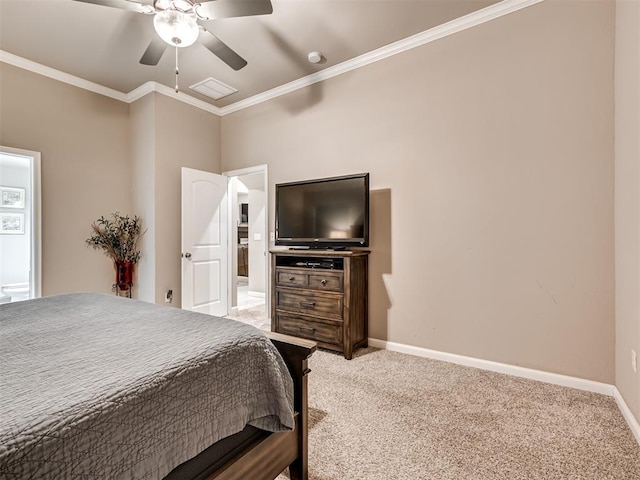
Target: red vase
[{"x": 124, "y": 275}]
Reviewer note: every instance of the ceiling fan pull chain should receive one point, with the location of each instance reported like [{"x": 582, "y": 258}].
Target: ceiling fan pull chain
[{"x": 177, "y": 72}]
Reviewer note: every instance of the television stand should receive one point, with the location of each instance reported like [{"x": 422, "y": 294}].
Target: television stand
[
  {"x": 337, "y": 248},
  {"x": 321, "y": 295}
]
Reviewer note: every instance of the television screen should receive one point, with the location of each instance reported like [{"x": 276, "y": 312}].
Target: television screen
[{"x": 327, "y": 212}]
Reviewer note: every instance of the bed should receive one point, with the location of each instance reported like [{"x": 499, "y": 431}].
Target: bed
[{"x": 101, "y": 387}]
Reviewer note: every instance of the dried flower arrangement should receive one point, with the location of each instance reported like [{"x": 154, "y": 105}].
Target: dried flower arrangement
[{"x": 117, "y": 237}]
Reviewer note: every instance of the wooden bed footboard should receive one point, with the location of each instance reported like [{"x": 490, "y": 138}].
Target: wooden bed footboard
[
  {"x": 295, "y": 352},
  {"x": 266, "y": 456}
]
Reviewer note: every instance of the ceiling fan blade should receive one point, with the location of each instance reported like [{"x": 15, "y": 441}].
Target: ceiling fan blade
[
  {"x": 122, "y": 4},
  {"x": 213, "y": 9},
  {"x": 221, "y": 50},
  {"x": 154, "y": 51}
]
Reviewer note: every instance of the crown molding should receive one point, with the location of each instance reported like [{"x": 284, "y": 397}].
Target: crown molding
[
  {"x": 471, "y": 20},
  {"x": 130, "y": 97},
  {"x": 476, "y": 18},
  {"x": 137, "y": 93},
  {"x": 38, "y": 68},
  {"x": 149, "y": 87}
]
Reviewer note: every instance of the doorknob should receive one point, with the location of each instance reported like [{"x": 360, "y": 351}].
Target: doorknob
[{"x": 187, "y": 255}]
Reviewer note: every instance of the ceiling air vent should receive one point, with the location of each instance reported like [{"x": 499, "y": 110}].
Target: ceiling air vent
[{"x": 213, "y": 88}]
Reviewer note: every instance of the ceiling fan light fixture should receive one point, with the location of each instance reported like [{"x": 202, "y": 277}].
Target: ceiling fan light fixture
[
  {"x": 177, "y": 28},
  {"x": 162, "y": 4},
  {"x": 183, "y": 5}
]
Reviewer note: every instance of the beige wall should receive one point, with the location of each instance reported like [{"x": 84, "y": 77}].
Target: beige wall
[
  {"x": 166, "y": 135},
  {"x": 100, "y": 155},
  {"x": 491, "y": 161},
  {"x": 627, "y": 198},
  {"x": 185, "y": 137},
  {"x": 83, "y": 138},
  {"x": 143, "y": 192}
]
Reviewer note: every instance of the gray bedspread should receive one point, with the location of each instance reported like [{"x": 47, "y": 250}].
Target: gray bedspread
[{"x": 99, "y": 387}]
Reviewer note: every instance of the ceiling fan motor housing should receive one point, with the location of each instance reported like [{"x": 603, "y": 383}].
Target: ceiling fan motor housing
[{"x": 185, "y": 6}]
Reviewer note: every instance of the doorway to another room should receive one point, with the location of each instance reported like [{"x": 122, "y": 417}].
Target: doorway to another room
[
  {"x": 249, "y": 272},
  {"x": 20, "y": 244}
]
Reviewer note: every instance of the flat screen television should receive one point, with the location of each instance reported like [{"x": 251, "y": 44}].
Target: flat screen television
[{"x": 324, "y": 213}]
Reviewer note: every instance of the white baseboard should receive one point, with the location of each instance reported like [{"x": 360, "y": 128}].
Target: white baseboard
[
  {"x": 626, "y": 413},
  {"x": 256, "y": 294},
  {"x": 531, "y": 374},
  {"x": 539, "y": 375}
]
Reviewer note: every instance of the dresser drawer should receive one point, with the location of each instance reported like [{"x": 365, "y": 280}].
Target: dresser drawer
[
  {"x": 291, "y": 278},
  {"x": 310, "y": 329},
  {"x": 328, "y": 281},
  {"x": 328, "y": 305}
]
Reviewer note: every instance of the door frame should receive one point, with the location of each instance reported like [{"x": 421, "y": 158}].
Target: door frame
[
  {"x": 267, "y": 270},
  {"x": 35, "y": 277}
]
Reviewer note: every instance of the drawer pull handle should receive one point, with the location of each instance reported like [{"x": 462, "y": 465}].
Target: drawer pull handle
[
  {"x": 323, "y": 282},
  {"x": 307, "y": 329},
  {"x": 291, "y": 279},
  {"x": 308, "y": 304}
]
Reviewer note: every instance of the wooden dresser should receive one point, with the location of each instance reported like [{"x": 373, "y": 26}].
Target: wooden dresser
[{"x": 322, "y": 296}]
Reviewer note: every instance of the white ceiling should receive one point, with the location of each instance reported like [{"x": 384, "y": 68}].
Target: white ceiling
[{"x": 104, "y": 45}]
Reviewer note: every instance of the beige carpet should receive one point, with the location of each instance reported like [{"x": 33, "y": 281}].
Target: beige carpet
[
  {"x": 386, "y": 416},
  {"x": 390, "y": 416}
]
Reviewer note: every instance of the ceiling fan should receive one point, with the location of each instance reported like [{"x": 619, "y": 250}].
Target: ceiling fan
[{"x": 177, "y": 23}]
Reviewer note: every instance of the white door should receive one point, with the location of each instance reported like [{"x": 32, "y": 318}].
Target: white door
[{"x": 204, "y": 242}]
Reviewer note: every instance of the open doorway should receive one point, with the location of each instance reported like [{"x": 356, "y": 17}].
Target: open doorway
[
  {"x": 20, "y": 232},
  {"x": 249, "y": 246}
]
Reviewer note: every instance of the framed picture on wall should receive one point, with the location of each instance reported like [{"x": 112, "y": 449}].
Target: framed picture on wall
[
  {"x": 11, "y": 197},
  {"x": 11, "y": 223}
]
